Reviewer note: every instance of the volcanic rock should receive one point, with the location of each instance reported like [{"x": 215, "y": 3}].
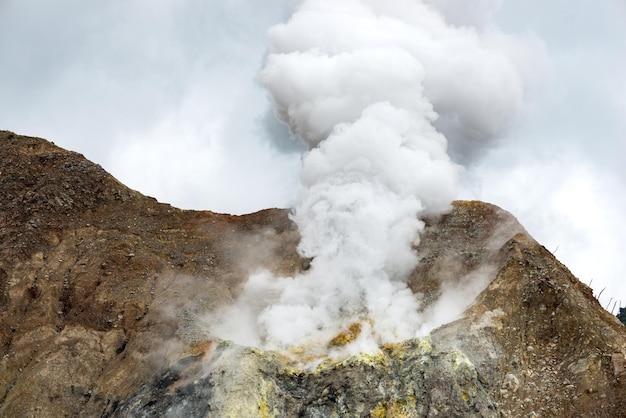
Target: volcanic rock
[{"x": 102, "y": 292}]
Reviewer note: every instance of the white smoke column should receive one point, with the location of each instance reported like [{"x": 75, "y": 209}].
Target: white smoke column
[{"x": 361, "y": 82}]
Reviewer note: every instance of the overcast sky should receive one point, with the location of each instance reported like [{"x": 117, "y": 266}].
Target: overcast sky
[{"x": 165, "y": 95}]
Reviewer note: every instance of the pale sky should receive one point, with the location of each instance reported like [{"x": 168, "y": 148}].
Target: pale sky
[{"x": 165, "y": 95}]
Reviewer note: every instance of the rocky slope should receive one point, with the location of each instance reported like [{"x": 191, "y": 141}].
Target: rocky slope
[{"x": 102, "y": 292}]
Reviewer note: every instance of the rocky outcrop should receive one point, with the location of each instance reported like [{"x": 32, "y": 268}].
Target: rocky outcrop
[
  {"x": 407, "y": 379},
  {"x": 102, "y": 291}
]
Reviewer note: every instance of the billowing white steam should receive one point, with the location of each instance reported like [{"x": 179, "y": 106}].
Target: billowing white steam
[{"x": 368, "y": 84}]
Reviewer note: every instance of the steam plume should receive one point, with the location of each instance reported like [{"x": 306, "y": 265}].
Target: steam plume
[{"x": 369, "y": 85}]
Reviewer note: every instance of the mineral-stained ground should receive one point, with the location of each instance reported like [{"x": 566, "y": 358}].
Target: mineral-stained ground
[{"x": 102, "y": 291}]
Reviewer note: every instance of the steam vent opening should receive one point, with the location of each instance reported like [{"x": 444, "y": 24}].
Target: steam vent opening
[{"x": 310, "y": 318}]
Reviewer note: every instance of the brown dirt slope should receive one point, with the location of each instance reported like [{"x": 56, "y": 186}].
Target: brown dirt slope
[{"x": 86, "y": 265}]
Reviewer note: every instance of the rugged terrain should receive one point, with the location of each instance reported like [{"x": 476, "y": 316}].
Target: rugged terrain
[{"x": 102, "y": 291}]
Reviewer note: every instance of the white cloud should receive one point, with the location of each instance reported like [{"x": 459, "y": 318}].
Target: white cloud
[{"x": 131, "y": 83}]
